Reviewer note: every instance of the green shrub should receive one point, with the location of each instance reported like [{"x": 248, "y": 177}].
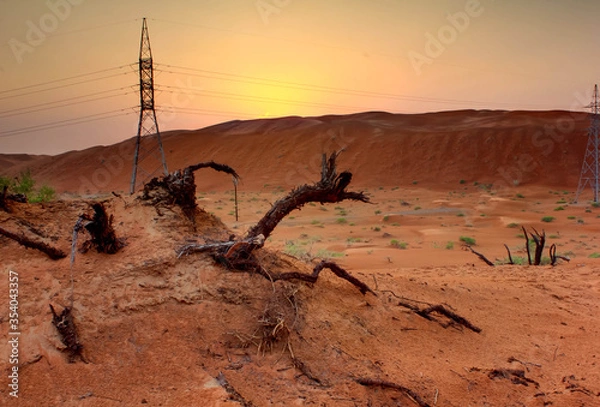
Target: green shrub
[
  {"x": 548, "y": 219},
  {"x": 468, "y": 240},
  {"x": 24, "y": 184},
  {"x": 450, "y": 245},
  {"x": 594, "y": 255},
  {"x": 512, "y": 225},
  {"x": 520, "y": 196},
  {"x": 559, "y": 208},
  {"x": 398, "y": 244},
  {"x": 341, "y": 221}
]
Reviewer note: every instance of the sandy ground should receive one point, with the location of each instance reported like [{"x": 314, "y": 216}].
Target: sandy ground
[
  {"x": 160, "y": 330},
  {"x": 163, "y": 331}
]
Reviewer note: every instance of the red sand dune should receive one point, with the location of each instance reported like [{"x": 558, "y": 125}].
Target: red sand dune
[{"x": 434, "y": 149}]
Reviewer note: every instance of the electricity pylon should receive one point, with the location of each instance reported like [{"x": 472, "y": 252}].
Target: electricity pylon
[
  {"x": 149, "y": 156},
  {"x": 589, "y": 169}
]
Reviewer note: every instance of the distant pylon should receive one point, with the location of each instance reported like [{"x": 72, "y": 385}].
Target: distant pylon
[
  {"x": 589, "y": 169},
  {"x": 149, "y": 156}
]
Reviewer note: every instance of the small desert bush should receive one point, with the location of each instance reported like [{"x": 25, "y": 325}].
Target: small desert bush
[
  {"x": 548, "y": 219},
  {"x": 594, "y": 255},
  {"x": 468, "y": 240},
  {"x": 398, "y": 244},
  {"x": 450, "y": 245},
  {"x": 512, "y": 225}
]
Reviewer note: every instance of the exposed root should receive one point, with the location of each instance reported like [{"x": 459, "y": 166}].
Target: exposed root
[
  {"x": 68, "y": 333},
  {"x": 364, "y": 381},
  {"x": 233, "y": 393},
  {"x": 301, "y": 366},
  {"x": 179, "y": 188},
  {"x": 481, "y": 256},
  {"x": 100, "y": 228},
  {"x": 52, "y": 252},
  {"x": 516, "y": 376},
  {"x": 440, "y": 309}
]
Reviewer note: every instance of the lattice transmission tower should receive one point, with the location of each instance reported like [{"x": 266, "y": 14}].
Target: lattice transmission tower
[
  {"x": 590, "y": 168},
  {"x": 149, "y": 156}
]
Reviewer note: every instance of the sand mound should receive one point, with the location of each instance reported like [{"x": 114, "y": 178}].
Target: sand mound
[{"x": 437, "y": 150}]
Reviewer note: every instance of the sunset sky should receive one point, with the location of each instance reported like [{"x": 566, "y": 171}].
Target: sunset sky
[{"x": 73, "y": 62}]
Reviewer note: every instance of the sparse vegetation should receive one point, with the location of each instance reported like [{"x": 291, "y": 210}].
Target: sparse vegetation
[
  {"x": 548, "y": 219},
  {"x": 398, "y": 244},
  {"x": 467, "y": 240},
  {"x": 512, "y": 225},
  {"x": 594, "y": 255},
  {"x": 520, "y": 196},
  {"x": 24, "y": 184},
  {"x": 559, "y": 208},
  {"x": 341, "y": 221},
  {"x": 450, "y": 245}
]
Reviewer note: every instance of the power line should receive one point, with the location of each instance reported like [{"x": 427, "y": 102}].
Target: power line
[
  {"x": 66, "y": 122},
  {"x": 236, "y": 96},
  {"x": 62, "y": 86},
  {"x": 65, "y": 79},
  {"x": 318, "y": 88},
  {"x": 56, "y": 104}
]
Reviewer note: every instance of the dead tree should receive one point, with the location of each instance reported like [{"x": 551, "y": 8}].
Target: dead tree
[
  {"x": 539, "y": 239},
  {"x": 65, "y": 326},
  {"x": 238, "y": 255},
  {"x": 3, "y": 199},
  {"x": 180, "y": 187},
  {"x": 51, "y": 251},
  {"x": 100, "y": 228},
  {"x": 330, "y": 189}
]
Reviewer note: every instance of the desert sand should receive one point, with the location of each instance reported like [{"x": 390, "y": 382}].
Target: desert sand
[{"x": 162, "y": 330}]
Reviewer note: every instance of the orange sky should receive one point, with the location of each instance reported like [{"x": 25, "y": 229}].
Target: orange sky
[{"x": 218, "y": 60}]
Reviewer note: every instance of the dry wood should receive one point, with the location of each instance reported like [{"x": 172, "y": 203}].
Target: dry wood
[
  {"x": 100, "y": 227},
  {"x": 539, "y": 240},
  {"x": 510, "y": 259},
  {"x": 233, "y": 393},
  {"x": 481, "y": 256},
  {"x": 68, "y": 333},
  {"x": 516, "y": 376},
  {"x": 364, "y": 381},
  {"x": 180, "y": 187},
  {"x": 330, "y": 189},
  {"x": 252, "y": 266},
  {"x": 527, "y": 245},
  {"x": 440, "y": 309},
  {"x": 554, "y": 257},
  {"x": 3, "y": 199},
  {"x": 52, "y": 252}
]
